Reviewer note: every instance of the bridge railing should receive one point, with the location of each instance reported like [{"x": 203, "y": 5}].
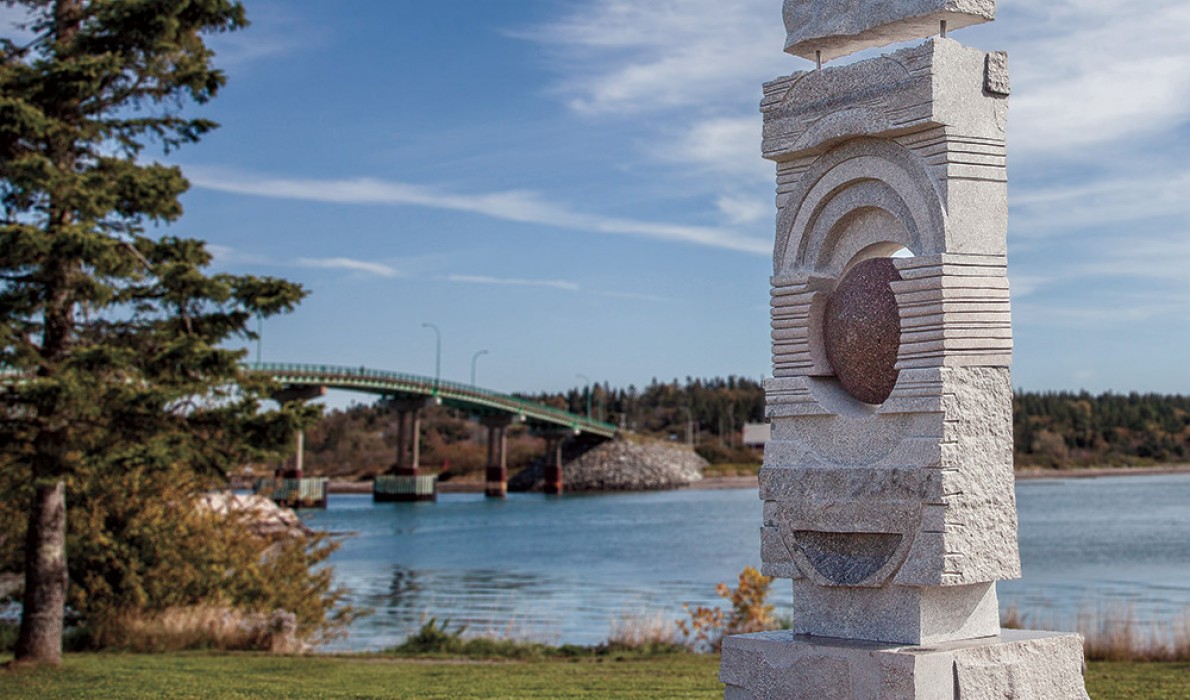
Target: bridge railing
[{"x": 442, "y": 387}]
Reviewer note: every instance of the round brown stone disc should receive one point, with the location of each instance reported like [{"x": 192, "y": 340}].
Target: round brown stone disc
[{"x": 862, "y": 330}]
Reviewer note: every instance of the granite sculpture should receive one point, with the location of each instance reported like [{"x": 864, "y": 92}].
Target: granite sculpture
[{"x": 888, "y": 484}]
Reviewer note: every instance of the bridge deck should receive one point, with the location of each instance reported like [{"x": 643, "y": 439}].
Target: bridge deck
[{"x": 454, "y": 394}]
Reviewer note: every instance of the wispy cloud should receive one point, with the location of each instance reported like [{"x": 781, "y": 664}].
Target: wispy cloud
[
  {"x": 563, "y": 285},
  {"x": 513, "y": 282},
  {"x": 225, "y": 255},
  {"x": 1142, "y": 309},
  {"x": 1087, "y": 74},
  {"x": 1066, "y": 207},
  {"x": 744, "y": 208},
  {"x": 1096, "y": 73},
  {"x": 635, "y": 296},
  {"x": 371, "y": 268},
  {"x": 516, "y": 205},
  {"x": 626, "y": 56},
  {"x": 276, "y": 31},
  {"x": 719, "y": 145}
]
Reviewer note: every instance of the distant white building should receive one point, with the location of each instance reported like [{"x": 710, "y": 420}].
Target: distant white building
[{"x": 757, "y": 434}]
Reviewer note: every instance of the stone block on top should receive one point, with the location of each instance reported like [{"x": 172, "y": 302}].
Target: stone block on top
[{"x": 842, "y": 27}]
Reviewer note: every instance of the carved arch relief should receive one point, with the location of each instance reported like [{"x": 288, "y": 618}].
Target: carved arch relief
[
  {"x": 814, "y": 235},
  {"x": 864, "y": 199}
]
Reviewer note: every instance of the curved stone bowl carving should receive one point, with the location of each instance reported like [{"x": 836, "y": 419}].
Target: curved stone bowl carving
[{"x": 847, "y": 558}]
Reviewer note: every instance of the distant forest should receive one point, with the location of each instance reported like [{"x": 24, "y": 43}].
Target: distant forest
[
  {"x": 1055, "y": 430},
  {"x": 1064, "y": 429}
]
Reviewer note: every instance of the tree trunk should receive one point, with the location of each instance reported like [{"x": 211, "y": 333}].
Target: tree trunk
[{"x": 40, "y": 639}]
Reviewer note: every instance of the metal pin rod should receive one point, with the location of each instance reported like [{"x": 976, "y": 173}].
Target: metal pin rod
[
  {"x": 942, "y": 28},
  {"x": 818, "y": 59}
]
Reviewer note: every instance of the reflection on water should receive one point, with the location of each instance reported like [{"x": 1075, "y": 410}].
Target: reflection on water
[
  {"x": 480, "y": 600},
  {"x": 560, "y": 569}
]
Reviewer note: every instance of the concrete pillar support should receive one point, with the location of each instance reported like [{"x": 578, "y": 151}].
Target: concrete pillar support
[
  {"x": 554, "y": 482},
  {"x": 300, "y": 455},
  {"x": 290, "y": 394},
  {"x": 409, "y": 436},
  {"x": 496, "y": 479},
  {"x": 402, "y": 482}
]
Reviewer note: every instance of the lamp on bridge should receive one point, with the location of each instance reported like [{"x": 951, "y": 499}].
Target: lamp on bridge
[
  {"x": 587, "y": 379},
  {"x": 437, "y": 354},
  {"x": 473, "y": 359}
]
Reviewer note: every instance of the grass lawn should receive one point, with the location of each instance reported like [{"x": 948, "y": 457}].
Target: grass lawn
[{"x": 199, "y": 675}]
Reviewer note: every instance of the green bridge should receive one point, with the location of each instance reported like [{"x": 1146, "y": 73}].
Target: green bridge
[
  {"x": 411, "y": 394},
  {"x": 465, "y": 397}
]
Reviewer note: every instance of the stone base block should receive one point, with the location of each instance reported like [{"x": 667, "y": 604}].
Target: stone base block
[
  {"x": 897, "y": 614},
  {"x": 1015, "y": 665}
]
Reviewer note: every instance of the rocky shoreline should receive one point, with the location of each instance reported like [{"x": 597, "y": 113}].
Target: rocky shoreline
[{"x": 620, "y": 465}]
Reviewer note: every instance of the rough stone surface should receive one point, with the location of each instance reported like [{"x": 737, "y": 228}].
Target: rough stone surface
[
  {"x": 620, "y": 465},
  {"x": 840, "y": 27},
  {"x": 936, "y": 472},
  {"x": 1015, "y": 665},
  {"x": 887, "y": 483},
  {"x": 862, "y": 330},
  {"x": 263, "y": 517},
  {"x": 996, "y": 81},
  {"x": 913, "y": 134},
  {"x": 896, "y": 614}
]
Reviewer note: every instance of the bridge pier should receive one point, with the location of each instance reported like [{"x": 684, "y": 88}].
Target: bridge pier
[
  {"x": 496, "y": 478},
  {"x": 290, "y": 487},
  {"x": 409, "y": 436},
  {"x": 554, "y": 482},
  {"x": 404, "y": 482}
]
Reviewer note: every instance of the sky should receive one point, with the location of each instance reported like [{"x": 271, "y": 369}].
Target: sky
[{"x": 575, "y": 186}]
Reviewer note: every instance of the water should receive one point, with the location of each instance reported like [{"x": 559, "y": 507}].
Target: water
[
  {"x": 1109, "y": 545},
  {"x": 560, "y": 570}
]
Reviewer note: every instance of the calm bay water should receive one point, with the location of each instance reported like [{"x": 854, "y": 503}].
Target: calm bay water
[{"x": 561, "y": 569}]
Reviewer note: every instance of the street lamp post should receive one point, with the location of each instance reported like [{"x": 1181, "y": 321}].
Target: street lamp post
[
  {"x": 473, "y": 359},
  {"x": 587, "y": 379},
  {"x": 437, "y": 353}
]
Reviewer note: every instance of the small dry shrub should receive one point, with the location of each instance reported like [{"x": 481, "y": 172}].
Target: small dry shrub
[
  {"x": 749, "y": 613},
  {"x": 1113, "y": 633},
  {"x": 642, "y": 630},
  {"x": 204, "y": 626}
]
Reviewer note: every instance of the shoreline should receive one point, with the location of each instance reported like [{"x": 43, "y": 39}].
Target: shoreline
[
  {"x": 1100, "y": 472},
  {"x": 751, "y": 482}
]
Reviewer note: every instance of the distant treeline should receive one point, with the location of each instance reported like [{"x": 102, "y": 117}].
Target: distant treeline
[
  {"x": 1052, "y": 429},
  {"x": 1065, "y": 429},
  {"x": 713, "y": 410}
]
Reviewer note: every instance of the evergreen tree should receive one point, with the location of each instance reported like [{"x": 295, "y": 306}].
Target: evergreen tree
[{"x": 112, "y": 339}]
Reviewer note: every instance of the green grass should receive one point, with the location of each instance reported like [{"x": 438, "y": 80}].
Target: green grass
[
  {"x": 1120, "y": 680},
  {"x": 732, "y": 469},
  {"x": 244, "y": 675}
]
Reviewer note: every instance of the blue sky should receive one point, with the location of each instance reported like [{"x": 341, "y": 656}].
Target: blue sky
[{"x": 575, "y": 185}]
